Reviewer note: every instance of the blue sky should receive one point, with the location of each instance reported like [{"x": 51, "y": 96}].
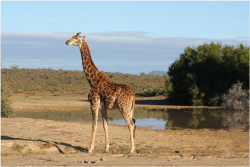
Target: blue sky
[{"x": 127, "y": 37}]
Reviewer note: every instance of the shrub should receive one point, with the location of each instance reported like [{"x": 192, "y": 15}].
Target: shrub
[
  {"x": 236, "y": 98},
  {"x": 13, "y": 66},
  {"x": 58, "y": 94},
  {"x": 142, "y": 74},
  {"x": 6, "y": 109},
  {"x": 19, "y": 91}
]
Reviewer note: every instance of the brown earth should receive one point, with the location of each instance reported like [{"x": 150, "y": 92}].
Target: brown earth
[{"x": 37, "y": 142}]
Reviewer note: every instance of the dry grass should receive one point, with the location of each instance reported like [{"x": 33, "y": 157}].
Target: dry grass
[
  {"x": 17, "y": 147},
  {"x": 46, "y": 145},
  {"x": 61, "y": 81}
]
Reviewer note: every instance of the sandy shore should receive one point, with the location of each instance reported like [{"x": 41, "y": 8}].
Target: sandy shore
[{"x": 40, "y": 142}]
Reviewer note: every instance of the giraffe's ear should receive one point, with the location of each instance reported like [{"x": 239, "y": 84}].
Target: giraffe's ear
[{"x": 83, "y": 37}]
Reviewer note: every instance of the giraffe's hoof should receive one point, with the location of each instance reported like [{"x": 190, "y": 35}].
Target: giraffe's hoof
[
  {"x": 90, "y": 151},
  {"x": 106, "y": 151},
  {"x": 132, "y": 151}
]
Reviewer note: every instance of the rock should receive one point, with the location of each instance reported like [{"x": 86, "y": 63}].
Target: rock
[
  {"x": 103, "y": 159},
  {"x": 86, "y": 161}
]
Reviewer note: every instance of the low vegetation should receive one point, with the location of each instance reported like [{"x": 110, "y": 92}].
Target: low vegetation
[
  {"x": 61, "y": 81},
  {"x": 236, "y": 98},
  {"x": 6, "y": 109}
]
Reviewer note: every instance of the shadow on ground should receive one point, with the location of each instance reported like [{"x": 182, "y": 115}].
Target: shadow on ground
[{"x": 52, "y": 142}]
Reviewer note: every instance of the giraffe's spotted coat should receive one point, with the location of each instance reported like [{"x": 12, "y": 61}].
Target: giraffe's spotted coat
[{"x": 105, "y": 94}]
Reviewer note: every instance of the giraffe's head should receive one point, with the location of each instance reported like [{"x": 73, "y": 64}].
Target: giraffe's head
[{"x": 76, "y": 40}]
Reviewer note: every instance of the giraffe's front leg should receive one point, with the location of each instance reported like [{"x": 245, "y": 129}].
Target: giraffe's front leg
[
  {"x": 94, "y": 108},
  {"x": 105, "y": 127}
]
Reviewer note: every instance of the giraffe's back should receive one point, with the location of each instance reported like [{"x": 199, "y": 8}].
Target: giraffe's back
[
  {"x": 117, "y": 94},
  {"x": 111, "y": 94}
]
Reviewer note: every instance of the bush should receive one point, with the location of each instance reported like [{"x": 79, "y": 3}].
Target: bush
[
  {"x": 13, "y": 66},
  {"x": 142, "y": 74},
  {"x": 6, "y": 109},
  {"x": 19, "y": 91},
  {"x": 236, "y": 98},
  {"x": 58, "y": 94},
  {"x": 203, "y": 74},
  {"x": 168, "y": 85}
]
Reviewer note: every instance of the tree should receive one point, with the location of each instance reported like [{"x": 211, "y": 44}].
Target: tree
[{"x": 201, "y": 75}]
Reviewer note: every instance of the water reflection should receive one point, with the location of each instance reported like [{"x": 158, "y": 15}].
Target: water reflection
[
  {"x": 236, "y": 120},
  {"x": 195, "y": 119},
  {"x": 156, "y": 119}
]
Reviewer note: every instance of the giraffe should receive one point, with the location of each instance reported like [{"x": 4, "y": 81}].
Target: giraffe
[{"x": 105, "y": 94}]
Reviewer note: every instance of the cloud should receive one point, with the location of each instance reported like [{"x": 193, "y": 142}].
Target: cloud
[
  {"x": 36, "y": 34},
  {"x": 111, "y": 51},
  {"x": 243, "y": 38},
  {"x": 129, "y": 63},
  {"x": 38, "y": 63},
  {"x": 126, "y": 37},
  {"x": 20, "y": 42},
  {"x": 120, "y": 34}
]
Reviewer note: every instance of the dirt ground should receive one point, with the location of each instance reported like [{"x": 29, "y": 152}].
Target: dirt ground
[{"x": 38, "y": 142}]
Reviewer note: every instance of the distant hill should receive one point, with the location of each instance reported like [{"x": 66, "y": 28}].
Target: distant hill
[
  {"x": 62, "y": 81},
  {"x": 159, "y": 73}
]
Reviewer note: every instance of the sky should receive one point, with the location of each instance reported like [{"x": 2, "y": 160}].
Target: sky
[{"x": 123, "y": 36}]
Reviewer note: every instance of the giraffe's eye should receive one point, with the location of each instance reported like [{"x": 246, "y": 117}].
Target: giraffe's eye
[{"x": 76, "y": 38}]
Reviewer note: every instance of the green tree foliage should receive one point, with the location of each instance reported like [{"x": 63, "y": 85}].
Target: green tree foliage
[
  {"x": 203, "y": 74},
  {"x": 169, "y": 85},
  {"x": 142, "y": 73},
  {"x": 6, "y": 109}
]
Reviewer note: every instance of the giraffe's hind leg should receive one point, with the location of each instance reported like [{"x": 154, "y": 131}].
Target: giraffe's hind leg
[
  {"x": 131, "y": 127},
  {"x": 126, "y": 113},
  {"x": 105, "y": 126}
]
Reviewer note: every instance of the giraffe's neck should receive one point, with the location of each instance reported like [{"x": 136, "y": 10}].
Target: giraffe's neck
[{"x": 89, "y": 67}]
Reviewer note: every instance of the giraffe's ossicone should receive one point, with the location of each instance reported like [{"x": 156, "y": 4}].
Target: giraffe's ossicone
[{"x": 105, "y": 94}]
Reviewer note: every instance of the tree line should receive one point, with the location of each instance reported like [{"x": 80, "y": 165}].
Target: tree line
[{"x": 204, "y": 73}]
